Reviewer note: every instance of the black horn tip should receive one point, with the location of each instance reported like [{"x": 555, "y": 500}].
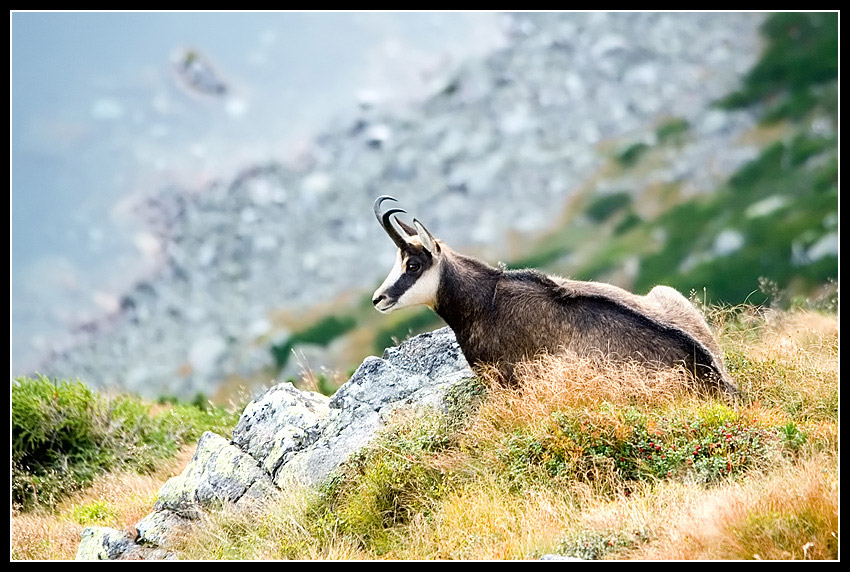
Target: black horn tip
[
  {"x": 377, "y": 206},
  {"x": 386, "y": 221},
  {"x": 386, "y": 217},
  {"x": 381, "y": 199}
]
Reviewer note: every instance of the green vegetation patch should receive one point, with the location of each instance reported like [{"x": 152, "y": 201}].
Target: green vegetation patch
[
  {"x": 617, "y": 447},
  {"x": 399, "y": 476},
  {"x": 321, "y": 333},
  {"x": 629, "y": 156},
  {"x": 603, "y": 207},
  {"x": 799, "y": 69},
  {"x": 64, "y": 434},
  {"x": 95, "y": 513},
  {"x": 385, "y": 485},
  {"x": 672, "y": 130},
  {"x": 801, "y": 176}
]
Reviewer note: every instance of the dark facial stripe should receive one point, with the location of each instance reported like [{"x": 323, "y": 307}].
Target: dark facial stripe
[{"x": 408, "y": 279}]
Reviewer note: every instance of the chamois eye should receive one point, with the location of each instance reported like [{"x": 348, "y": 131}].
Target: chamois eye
[{"x": 413, "y": 266}]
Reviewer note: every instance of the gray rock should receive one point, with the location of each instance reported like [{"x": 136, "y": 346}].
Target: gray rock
[
  {"x": 280, "y": 423},
  {"x": 414, "y": 375},
  {"x": 156, "y": 528},
  {"x": 219, "y": 474},
  {"x": 103, "y": 543},
  {"x": 289, "y": 437}
]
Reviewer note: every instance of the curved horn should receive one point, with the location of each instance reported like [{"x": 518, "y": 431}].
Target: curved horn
[
  {"x": 386, "y": 221},
  {"x": 377, "y": 206}
]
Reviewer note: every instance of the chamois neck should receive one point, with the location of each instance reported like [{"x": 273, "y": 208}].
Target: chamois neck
[{"x": 466, "y": 291}]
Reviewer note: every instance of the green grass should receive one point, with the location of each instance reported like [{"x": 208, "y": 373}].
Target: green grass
[
  {"x": 810, "y": 194},
  {"x": 65, "y": 434},
  {"x": 94, "y": 513},
  {"x": 603, "y": 207},
  {"x": 629, "y": 156},
  {"x": 672, "y": 130}
]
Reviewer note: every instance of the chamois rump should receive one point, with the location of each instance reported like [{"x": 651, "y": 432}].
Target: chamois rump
[{"x": 501, "y": 317}]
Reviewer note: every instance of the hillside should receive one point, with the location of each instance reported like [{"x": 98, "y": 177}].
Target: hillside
[
  {"x": 581, "y": 461},
  {"x": 725, "y": 186},
  {"x": 766, "y": 234},
  {"x": 591, "y": 464},
  {"x": 586, "y": 146}
]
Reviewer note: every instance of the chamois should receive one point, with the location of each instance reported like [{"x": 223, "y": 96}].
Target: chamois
[{"x": 501, "y": 317}]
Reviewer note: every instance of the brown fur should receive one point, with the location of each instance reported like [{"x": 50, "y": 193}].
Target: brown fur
[{"x": 502, "y": 317}]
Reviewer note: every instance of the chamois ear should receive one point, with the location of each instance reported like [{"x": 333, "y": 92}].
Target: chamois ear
[
  {"x": 428, "y": 240},
  {"x": 406, "y": 227}
]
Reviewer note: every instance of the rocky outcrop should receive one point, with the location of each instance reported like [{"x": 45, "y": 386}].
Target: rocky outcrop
[{"x": 289, "y": 437}]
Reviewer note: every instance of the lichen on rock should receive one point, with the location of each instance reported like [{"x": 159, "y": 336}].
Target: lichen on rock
[
  {"x": 104, "y": 543},
  {"x": 291, "y": 437},
  {"x": 218, "y": 474}
]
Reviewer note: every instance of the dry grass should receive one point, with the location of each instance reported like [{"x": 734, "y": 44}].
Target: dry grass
[
  {"x": 286, "y": 531},
  {"x": 789, "y": 513},
  {"x": 118, "y": 500},
  {"x": 486, "y": 522},
  {"x": 557, "y": 383},
  {"x": 784, "y": 506}
]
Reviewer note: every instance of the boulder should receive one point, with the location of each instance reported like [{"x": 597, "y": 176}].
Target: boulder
[
  {"x": 103, "y": 543},
  {"x": 289, "y": 437}
]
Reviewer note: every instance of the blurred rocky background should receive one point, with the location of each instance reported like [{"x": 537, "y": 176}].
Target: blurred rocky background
[{"x": 636, "y": 148}]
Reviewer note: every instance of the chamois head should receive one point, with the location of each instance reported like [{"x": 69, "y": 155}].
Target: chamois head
[{"x": 415, "y": 276}]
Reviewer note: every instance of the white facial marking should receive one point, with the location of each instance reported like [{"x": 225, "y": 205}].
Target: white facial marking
[
  {"x": 423, "y": 291},
  {"x": 389, "y": 305}
]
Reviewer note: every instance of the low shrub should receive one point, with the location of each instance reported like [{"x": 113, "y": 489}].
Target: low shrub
[{"x": 64, "y": 434}]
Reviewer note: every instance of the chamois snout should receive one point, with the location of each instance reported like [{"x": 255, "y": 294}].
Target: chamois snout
[{"x": 382, "y": 303}]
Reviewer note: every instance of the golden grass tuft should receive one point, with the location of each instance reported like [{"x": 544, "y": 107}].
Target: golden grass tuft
[
  {"x": 487, "y": 522},
  {"x": 556, "y": 382},
  {"x": 789, "y": 514},
  {"x": 117, "y": 500}
]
